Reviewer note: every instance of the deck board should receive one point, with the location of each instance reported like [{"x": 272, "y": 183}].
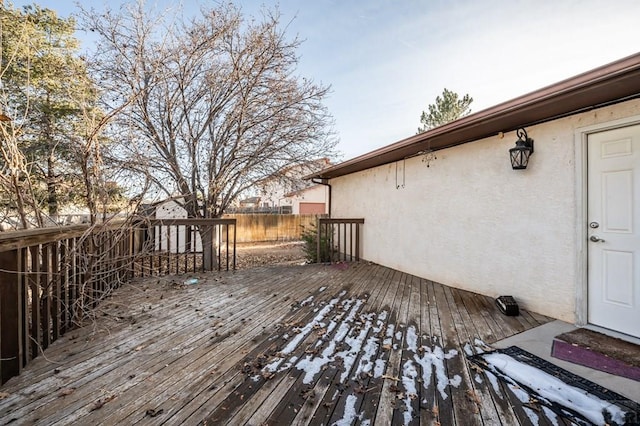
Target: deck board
[{"x": 389, "y": 348}]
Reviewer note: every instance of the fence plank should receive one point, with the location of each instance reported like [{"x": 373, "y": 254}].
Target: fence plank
[
  {"x": 45, "y": 297},
  {"x": 10, "y": 315},
  {"x": 74, "y": 283},
  {"x": 23, "y": 256},
  {"x": 63, "y": 285},
  {"x": 271, "y": 227},
  {"x": 34, "y": 285},
  {"x": 56, "y": 291}
]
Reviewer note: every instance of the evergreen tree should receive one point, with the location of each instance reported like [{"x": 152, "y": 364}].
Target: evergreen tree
[
  {"x": 44, "y": 81},
  {"x": 447, "y": 108}
]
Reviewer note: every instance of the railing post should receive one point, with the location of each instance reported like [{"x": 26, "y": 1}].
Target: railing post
[
  {"x": 357, "y": 242},
  {"x": 45, "y": 300},
  {"x": 351, "y": 241},
  {"x": 75, "y": 281},
  {"x": 34, "y": 285},
  {"x": 337, "y": 238},
  {"x": 329, "y": 240},
  {"x": 227, "y": 244},
  {"x": 11, "y": 315},
  {"x": 64, "y": 285},
  {"x": 193, "y": 245},
  {"x": 23, "y": 310},
  {"x": 318, "y": 237},
  {"x": 56, "y": 290},
  {"x": 151, "y": 235},
  {"x": 218, "y": 240}
]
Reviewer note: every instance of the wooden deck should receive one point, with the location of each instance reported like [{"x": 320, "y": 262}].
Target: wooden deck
[{"x": 344, "y": 344}]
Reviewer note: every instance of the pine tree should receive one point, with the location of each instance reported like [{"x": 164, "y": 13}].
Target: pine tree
[
  {"x": 43, "y": 79},
  {"x": 447, "y": 108}
]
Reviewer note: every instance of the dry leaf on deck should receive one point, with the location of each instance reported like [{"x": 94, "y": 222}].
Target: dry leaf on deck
[
  {"x": 100, "y": 403},
  {"x": 473, "y": 396},
  {"x": 385, "y": 376},
  {"x": 66, "y": 391},
  {"x": 152, "y": 413},
  {"x": 476, "y": 368},
  {"x": 96, "y": 405}
]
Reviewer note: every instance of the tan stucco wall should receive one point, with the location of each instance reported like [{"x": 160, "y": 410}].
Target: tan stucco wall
[{"x": 470, "y": 221}]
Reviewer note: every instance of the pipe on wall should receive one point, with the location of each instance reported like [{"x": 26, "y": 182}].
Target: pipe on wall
[{"x": 324, "y": 182}]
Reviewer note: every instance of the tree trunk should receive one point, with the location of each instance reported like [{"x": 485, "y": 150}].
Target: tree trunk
[
  {"x": 209, "y": 261},
  {"x": 20, "y": 201}
]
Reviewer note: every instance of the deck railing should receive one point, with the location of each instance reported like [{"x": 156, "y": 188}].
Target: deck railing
[
  {"x": 339, "y": 240},
  {"x": 174, "y": 246},
  {"x": 51, "y": 278}
]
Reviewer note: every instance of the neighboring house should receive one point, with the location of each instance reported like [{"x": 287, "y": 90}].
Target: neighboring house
[
  {"x": 561, "y": 236},
  {"x": 250, "y": 203},
  {"x": 311, "y": 200},
  {"x": 275, "y": 191}
]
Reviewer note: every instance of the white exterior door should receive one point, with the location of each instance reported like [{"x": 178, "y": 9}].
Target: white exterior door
[{"x": 614, "y": 229}]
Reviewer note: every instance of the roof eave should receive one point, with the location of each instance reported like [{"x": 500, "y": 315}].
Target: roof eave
[{"x": 611, "y": 83}]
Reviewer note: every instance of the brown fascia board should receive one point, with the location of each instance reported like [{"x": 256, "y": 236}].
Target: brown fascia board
[{"x": 608, "y": 84}]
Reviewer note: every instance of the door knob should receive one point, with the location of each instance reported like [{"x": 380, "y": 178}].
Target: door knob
[{"x": 596, "y": 239}]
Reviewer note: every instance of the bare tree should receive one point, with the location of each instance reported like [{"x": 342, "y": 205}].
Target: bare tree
[
  {"x": 219, "y": 103},
  {"x": 16, "y": 184}
]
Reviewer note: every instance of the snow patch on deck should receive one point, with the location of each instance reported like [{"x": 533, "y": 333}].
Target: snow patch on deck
[{"x": 357, "y": 346}]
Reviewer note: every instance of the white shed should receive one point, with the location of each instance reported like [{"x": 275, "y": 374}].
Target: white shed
[{"x": 173, "y": 238}]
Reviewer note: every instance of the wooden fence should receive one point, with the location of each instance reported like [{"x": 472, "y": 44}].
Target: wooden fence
[
  {"x": 272, "y": 227},
  {"x": 51, "y": 278}
]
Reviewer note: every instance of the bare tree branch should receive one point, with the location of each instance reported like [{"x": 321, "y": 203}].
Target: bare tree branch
[{"x": 219, "y": 103}]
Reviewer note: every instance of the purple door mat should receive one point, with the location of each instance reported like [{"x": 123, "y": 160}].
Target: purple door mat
[
  {"x": 543, "y": 388},
  {"x": 598, "y": 351}
]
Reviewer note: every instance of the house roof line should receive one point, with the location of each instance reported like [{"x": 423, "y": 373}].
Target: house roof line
[
  {"x": 611, "y": 83},
  {"x": 301, "y": 190}
]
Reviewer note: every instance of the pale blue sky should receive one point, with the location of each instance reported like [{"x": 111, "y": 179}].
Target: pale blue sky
[{"x": 387, "y": 60}]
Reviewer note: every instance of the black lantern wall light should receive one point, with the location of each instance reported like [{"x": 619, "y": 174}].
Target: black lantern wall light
[{"x": 522, "y": 151}]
